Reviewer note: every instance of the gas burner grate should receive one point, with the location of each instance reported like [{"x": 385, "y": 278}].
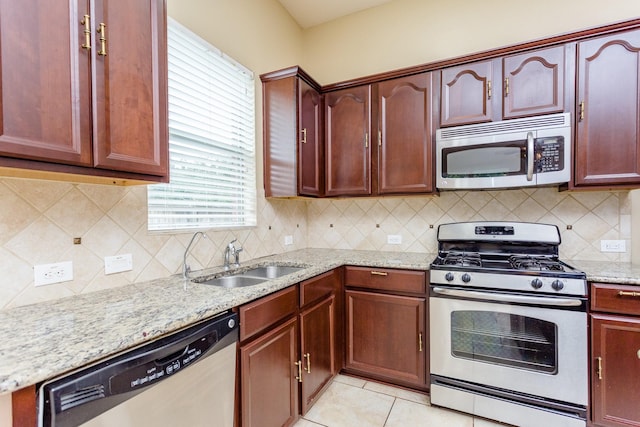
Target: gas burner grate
[
  {"x": 531, "y": 263},
  {"x": 463, "y": 259}
]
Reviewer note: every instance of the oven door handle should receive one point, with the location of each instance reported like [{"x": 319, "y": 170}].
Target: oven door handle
[
  {"x": 523, "y": 299},
  {"x": 530, "y": 156}
]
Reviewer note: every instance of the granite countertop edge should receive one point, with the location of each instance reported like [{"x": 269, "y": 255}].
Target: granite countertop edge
[{"x": 44, "y": 340}]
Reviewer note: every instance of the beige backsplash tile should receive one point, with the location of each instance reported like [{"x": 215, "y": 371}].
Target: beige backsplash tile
[{"x": 39, "y": 219}]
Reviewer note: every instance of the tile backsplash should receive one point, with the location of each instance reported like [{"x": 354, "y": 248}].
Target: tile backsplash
[{"x": 40, "y": 219}]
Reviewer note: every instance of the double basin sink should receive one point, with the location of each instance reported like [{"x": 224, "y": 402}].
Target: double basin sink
[{"x": 250, "y": 277}]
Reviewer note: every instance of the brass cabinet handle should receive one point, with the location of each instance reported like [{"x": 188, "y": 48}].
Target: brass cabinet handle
[
  {"x": 581, "y": 110},
  {"x": 599, "y": 367},
  {"x": 379, "y": 138},
  {"x": 378, "y": 273},
  {"x": 638, "y": 354},
  {"x": 103, "y": 39},
  {"x": 420, "y": 342},
  {"x": 304, "y": 136},
  {"x": 628, "y": 294},
  {"x": 308, "y": 368},
  {"x": 299, "y": 365},
  {"x": 86, "y": 21},
  {"x": 366, "y": 140},
  {"x": 506, "y": 87},
  {"x": 488, "y": 89}
]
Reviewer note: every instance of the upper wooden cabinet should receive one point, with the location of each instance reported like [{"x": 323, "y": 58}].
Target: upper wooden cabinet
[
  {"x": 520, "y": 85},
  {"x": 87, "y": 93},
  {"x": 608, "y": 106},
  {"x": 405, "y": 150},
  {"x": 293, "y": 142},
  {"x": 348, "y": 145}
]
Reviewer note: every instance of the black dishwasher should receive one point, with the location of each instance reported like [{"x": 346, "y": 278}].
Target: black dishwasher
[{"x": 186, "y": 378}]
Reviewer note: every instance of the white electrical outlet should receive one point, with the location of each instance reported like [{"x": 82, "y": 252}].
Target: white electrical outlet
[
  {"x": 394, "y": 239},
  {"x": 288, "y": 240},
  {"x": 118, "y": 263},
  {"x": 47, "y": 274},
  {"x": 613, "y": 246}
]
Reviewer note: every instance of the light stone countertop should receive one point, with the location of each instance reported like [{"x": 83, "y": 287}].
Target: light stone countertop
[{"x": 44, "y": 340}]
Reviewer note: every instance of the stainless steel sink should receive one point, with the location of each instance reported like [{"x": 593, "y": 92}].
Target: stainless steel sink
[
  {"x": 271, "y": 271},
  {"x": 234, "y": 281}
]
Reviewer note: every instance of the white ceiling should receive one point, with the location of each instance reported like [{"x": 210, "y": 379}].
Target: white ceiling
[{"x": 313, "y": 12}]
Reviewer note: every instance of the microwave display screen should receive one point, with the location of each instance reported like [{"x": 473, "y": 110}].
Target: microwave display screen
[{"x": 485, "y": 160}]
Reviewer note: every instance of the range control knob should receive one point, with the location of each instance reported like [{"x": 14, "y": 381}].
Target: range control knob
[
  {"x": 466, "y": 278},
  {"x": 557, "y": 285},
  {"x": 536, "y": 283},
  {"x": 448, "y": 277}
]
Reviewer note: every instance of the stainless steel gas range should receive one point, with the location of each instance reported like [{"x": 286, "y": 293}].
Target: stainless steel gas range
[{"x": 508, "y": 325}]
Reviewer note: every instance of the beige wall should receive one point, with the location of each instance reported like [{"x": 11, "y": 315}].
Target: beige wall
[{"x": 404, "y": 33}]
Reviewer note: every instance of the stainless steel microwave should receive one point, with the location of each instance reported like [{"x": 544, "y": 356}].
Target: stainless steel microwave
[{"x": 510, "y": 153}]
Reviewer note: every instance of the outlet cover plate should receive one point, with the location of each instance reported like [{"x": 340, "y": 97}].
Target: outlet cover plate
[
  {"x": 394, "y": 239},
  {"x": 613, "y": 246},
  {"x": 48, "y": 274},
  {"x": 118, "y": 263},
  {"x": 288, "y": 240}
]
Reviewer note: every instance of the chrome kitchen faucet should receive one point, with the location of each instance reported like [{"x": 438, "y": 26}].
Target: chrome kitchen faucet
[{"x": 230, "y": 251}]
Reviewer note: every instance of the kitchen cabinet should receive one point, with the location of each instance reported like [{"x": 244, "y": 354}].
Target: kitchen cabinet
[
  {"x": 608, "y": 106},
  {"x": 293, "y": 142},
  {"x": 405, "y": 150},
  {"x": 519, "y": 85},
  {"x": 390, "y": 155},
  {"x": 289, "y": 350},
  {"x": 386, "y": 328},
  {"x": 347, "y": 141},
  {"x": 85, "y": 93},
  {"x": 615, "y": 349}
]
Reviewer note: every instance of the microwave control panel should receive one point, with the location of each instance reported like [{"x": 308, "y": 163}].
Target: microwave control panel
[{"x": 549, "y": 154}]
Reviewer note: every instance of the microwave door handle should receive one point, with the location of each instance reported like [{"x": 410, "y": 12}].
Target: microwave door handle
[
  {"x": 530, "y": 156},
  {"x": 509, "y": 298}
]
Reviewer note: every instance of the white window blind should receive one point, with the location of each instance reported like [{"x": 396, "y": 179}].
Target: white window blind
[{"x": 211, "y": 140}]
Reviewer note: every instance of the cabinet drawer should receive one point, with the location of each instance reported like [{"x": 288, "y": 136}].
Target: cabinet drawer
[
  {"x": 319, "y": 287},
  {"x": 386, "y": 279},
  {"x": 612, "y": 298},
  {"x": 261, "y": 314}
]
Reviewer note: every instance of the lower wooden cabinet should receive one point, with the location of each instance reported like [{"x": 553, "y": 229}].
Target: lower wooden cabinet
[
  {"x": 289, "y": 350},
  {"x": 615, "y": 351}
]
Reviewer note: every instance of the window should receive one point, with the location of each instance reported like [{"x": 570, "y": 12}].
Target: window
[{"x": 211, "y": 140}]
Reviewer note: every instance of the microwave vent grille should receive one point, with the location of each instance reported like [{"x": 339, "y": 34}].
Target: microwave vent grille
[{"x": 533, "y": 123}]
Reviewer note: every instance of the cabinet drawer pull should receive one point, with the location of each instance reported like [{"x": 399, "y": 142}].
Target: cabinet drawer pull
[
  {"x": 489, "y": 89},
  {"x": 102, "y": 30},
  {"x": 308, "y": 357},
  {"x": 628, "y": 294},
  {"x": 581, "y": 111},
  {"x": 638, "y": 354},
  {"x": 304, "y": 136},
  {"x": 299, "y": 365},
  {"x": 506, "y": 87},
  {"x": 599, "y": 367},
  {"x": 379, "y": 138},
  {"x": 366, "y": 140},
  {"x": 378, "y": 273},
  {"x": 420, "y": 342},
  {"x": 86, "y": 21}
]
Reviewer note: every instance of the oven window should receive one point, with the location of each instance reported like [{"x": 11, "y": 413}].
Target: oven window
[
  {"x": 505, "y": 339},
  {"x": 485, "y": 160}
]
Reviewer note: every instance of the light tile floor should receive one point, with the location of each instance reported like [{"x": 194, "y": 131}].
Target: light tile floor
[{"x": 354, "y": 402}]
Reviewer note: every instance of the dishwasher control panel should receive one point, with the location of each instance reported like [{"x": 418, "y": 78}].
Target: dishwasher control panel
[{"x": 148, "y": 373}]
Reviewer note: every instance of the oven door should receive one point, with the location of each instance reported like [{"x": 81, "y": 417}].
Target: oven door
[{"x": 527, "y": 344}]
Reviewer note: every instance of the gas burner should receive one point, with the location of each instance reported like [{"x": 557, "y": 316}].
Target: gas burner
[
  {"x": 533, "y": 263},
  {"x": 463, "y": 259}
]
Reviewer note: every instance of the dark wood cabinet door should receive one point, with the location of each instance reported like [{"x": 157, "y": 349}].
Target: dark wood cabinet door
[
  {"x": 348, "y": 131},
  {"x": 534, "y": 83},
  {"x": 608, "y": 133},
  {"x": 386, "y": 337},
  {"x": 311, "y": 154},
  {"x": 405, "y": 150},
  {"x": 45, "y": 82},
  {"x": 269, "y": 386},
  {"x": 130, "y": 86},
  {"x": 616, "y": 374},
  {"x": 317, "y": 337},
  {"x": 467, "y": 93}
]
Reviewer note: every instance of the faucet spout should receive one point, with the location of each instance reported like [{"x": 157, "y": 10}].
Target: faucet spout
[
  {"x": 231, "y": 251},
  {"x": 186, "y": 269}
]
